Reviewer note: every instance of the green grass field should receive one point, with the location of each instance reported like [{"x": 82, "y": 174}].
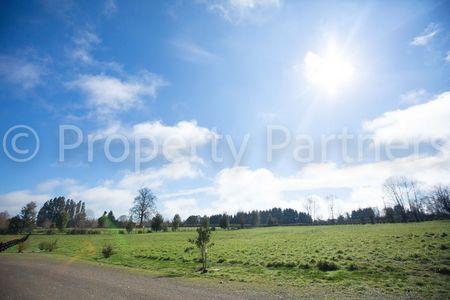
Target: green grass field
[{"x": 386, "y": 259}]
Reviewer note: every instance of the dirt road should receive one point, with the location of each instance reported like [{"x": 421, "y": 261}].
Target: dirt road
[{"x": 33, "y": 276}]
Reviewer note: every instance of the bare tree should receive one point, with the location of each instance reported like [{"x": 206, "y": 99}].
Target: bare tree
[
  {"x": 143, "y": 206},
  {"x": 415, "y": 199},
  {"x": 309, "y": 206},
  {"x": 393, "y": 189},
  {"x": 440, "y": 199},
  {"x": 405, "y": 194},
  {"x": 330, "y": 199}
]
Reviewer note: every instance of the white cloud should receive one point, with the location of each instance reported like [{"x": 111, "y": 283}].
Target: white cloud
[
  {"x": 184, "y": 136},
  {"x": 427, "y": 35},
  {"x": 14, "y": 201},
  {"x": 190, "y": 51},
  {"x": 189, "y": 192},
  {"x": 447, "y": 58},
  {"x": 240, "y": 188},
  {"x": 155, "y": 177},
  {"x": 109, "y": 94},
  {"x": 83, "y": 44},
  {"x": 422, "y": 122},
  {"x": 177, "y": 142},
  {"x": 110, "y": 8},
  {"x": 105, "y": 197},
  {"x": 236, "y": 11},
  {"x": 17, "y": 70},
  {"x": 118, "y": 194},
  {"x": 84, "y": 41},
  {"x": 52, "y": 184},
  {"x": 185, "y": 207},
  {"x": 413, "y": 96},
  {"x": 243, "y": 189}
]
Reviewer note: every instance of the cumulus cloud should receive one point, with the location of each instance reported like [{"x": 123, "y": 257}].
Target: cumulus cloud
[
  {"x": 185, "y": 207},
  {"x": 155, "y": 177},
  {"x": 13, "y": 201},
  {"x": 20, "y": 71},
  {"x": 177, "y": 142},
  {"x": 105, "y": 197},
  {"x": 118, "y": 194},
  {"x": 52, "y": 184},
  {"x": 242, "y": 188},
  {"x": 109, "y": 94},
  {"x": 427, "y": 35},
  {"x": 422, "y": 122}
]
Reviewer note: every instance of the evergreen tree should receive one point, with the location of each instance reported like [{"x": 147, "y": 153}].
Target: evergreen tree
[
  {"x": 203, "y": 242},
  {"x": 176, "y": 222},
  {"x": 157, "y": 222},
  {"x": 224, "y": 222}
]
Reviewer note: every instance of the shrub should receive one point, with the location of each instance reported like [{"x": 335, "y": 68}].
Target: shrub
[
  {"x": 280, "y": 264},
  {"x": 52, "y": 246},
  {"x": 443, "y": 270},
  {"x": 304, "y": 266},
  {"x": 121, "y": 232},
  {"x": 324, "y": 265},
  {"x": 129, "y": 226},
  {"x": 93, "y": 231},
  {"x": 22, "y": 246},
  {"x": 352, "y": 267},
  {"x": 48, "y": 246},
  {"x": 49, "y": 232},
  {"x": 107, "y": 251},
  {"x": 77, "y": 231}
]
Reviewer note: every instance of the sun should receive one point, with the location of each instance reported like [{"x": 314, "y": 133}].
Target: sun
[{"x": 329, "y": 72}]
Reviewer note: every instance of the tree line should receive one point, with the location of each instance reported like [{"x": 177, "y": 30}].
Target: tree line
[{"x": 405, "y": 201}]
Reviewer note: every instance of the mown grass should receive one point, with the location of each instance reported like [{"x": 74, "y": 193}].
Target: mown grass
[{"x": 390, "y": 259}]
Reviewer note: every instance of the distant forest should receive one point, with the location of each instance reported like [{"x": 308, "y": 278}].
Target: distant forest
[{"x": 409, "y": 204}]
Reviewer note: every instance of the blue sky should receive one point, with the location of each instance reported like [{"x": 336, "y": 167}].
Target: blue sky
[{"x": 199, "y": 69}]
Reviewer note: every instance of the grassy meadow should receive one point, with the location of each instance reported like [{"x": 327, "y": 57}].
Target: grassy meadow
[{"x": 410, "y": 259}]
